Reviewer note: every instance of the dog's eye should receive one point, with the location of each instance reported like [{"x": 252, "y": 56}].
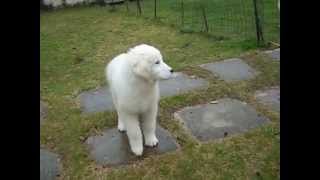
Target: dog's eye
[{"x": 158, "y": 62}]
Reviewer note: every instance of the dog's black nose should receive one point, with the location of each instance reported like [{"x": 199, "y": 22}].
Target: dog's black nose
[{"x": 171, "y": 70}]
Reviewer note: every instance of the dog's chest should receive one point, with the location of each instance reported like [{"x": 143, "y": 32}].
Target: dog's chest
[{"x": 144, "y": 98}]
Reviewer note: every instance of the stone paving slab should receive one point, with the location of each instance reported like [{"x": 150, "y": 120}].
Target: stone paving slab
[
  {"x": 274, "y": 54},
  {"x": 101, "y": 100},
  {"x": 112, "y": 147},
  {"x": 269, "y": 97},
  {"x": 225, "y": 117},
  {"x": 231, "y": 70},
  {"x": 49, "y": 165},
  {"x": 43, "y": 111},
  {"x": 96, "y": 100},
  {"x": 182, "y": 83}
]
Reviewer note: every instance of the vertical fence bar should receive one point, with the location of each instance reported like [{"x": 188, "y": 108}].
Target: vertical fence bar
[
  {"x": 182, "y": 13},
  {"x": 258, "y": 22},
  {"x": 139, "y": 7},
  {"x": 204, "y": 15},
  {"x": 127, "y": 5},
  {"x": 155, "y": 9},
  {"x": 112, "y": 5}
]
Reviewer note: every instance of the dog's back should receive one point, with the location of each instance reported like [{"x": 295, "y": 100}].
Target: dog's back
[
  {"x": 114, "y": 67},
  {"x": 113, "y": 72}
]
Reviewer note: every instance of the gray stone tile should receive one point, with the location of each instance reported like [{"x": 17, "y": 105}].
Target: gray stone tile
[
  {"x": 274, "y": 54},
  {"x": 213, "y": 121},
  {"x": 231, "y": 70},
  {"x": 49, "y": 165},
  {"x": 96, "y": 100},
  {"x": 101, "y": 100},
  {"x": 112, "y": 147},
  {"x": 180, "y": 84},
  {"x": 269, "y": 97}
]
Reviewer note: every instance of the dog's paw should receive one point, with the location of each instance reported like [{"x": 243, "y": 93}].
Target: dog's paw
[
  {"x": 152, "y": 141},
  {"x": 122, "y": 130},
  {"x": 121, "y": 127},
  {"x": 137, "y": 150}
]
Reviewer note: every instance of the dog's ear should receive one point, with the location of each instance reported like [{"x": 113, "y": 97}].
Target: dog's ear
[{"x": 141, "y": 68}]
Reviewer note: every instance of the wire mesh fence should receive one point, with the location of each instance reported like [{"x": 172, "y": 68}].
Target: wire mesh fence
[
  {"x": 238, "y": 20},
  {"x": 224, "y": 19},
  {"x": 271, "y": 20}
]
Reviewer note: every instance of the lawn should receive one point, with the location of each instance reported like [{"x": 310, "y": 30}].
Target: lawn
[{"x": 75, "y": 46}]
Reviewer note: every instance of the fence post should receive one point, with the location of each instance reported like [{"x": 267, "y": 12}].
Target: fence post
[
  {"x": 139, "y": 7},
  {"x": 258, "y": 22},
  {"x": 112, "y": 5},
  {"x": 101, "y": 2},
  {"x": 182, "y": 13},
  {"x": 127, "y": 5},
  {"x": 204, "y": 15},
  {"x": 155, "y": 9}
]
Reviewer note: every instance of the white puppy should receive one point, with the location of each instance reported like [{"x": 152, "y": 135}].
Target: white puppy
[{"x": 133, "y": 81}]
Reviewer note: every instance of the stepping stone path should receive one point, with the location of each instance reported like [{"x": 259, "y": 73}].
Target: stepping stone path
[
  {"x": 274, "y": 54},
  {"x": 101, "y": 100},
  {"x": 49, "y": 165},
  {"x": 49, "y": 162},
  {"x": 96, "y": 100},
  {"x": 225, "y": 117},
  {"x": 43, "y": 111},
  {"x": 270, "y": 98},
  {"x": 112, "y": 147},
  {"x": 231, "y": 70}
]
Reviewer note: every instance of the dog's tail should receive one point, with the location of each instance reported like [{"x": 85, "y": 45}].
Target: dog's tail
[{"x": 108, "y": 74}]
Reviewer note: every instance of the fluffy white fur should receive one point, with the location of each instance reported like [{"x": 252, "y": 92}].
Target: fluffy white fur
[{"x": 133, "y": 81}]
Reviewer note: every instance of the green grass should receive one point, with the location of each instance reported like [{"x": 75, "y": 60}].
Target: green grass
[{"x": 75, "y": 46}]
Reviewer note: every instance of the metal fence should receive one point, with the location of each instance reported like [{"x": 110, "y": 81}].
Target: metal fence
[
  {"x": 224, "y": 19},
  {"x": 239, "y": 20}
]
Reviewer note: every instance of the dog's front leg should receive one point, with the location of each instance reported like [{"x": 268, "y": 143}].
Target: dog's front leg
[
  {"x": 133, "y": 132},
  {"x": 149, "y": 127}
]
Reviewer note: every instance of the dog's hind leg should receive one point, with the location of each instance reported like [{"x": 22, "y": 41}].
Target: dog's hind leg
[
  {"x": 149, "y": 127},
  {"x": 133, "y": 132},
  {"x": 121, "y": 126}
]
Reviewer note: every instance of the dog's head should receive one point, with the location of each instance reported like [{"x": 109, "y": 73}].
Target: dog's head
[{"x": 147, "y": 63}]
